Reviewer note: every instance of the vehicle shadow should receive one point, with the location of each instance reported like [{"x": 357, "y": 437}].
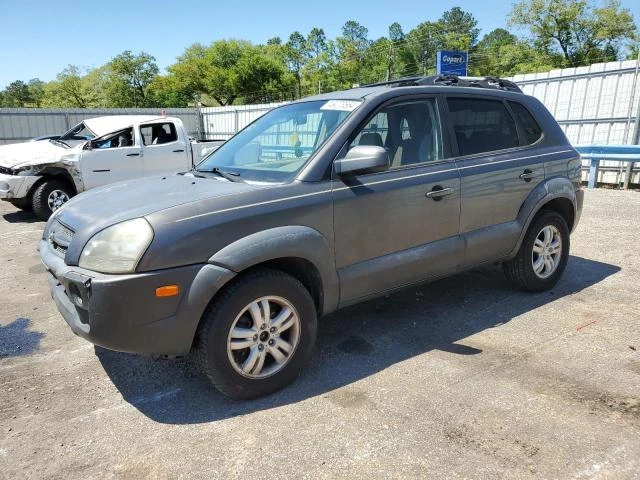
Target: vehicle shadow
[
  {"x": 16, "y": 340},
  {"x": 21, "y": 216},
  {"x": 352, "y": 344}
]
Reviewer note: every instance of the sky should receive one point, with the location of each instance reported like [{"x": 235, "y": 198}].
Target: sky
[{"x": 39, "y": 38}]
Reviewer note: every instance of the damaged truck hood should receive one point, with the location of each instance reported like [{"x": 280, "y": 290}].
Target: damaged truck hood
[{"x": 18, "y": 155}]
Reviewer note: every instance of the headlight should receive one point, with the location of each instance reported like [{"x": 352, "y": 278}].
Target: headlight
[
  {"x": 23, "y": 171},
  {"x": 117, "y": 249}
]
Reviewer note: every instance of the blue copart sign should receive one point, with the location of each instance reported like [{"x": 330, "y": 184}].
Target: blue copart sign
[{"x": 451, "y": 63}]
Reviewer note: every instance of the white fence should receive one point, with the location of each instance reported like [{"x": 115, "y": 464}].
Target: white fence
[
  {"x": 221, "y": 123},
  {"x": 595, "y": 104}
]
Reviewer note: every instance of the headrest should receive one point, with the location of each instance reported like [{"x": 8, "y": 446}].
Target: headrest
[{"x": 371, "y": 138}]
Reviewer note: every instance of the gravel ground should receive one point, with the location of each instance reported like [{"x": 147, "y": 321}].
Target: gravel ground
[{"x": 462, "y": 378}]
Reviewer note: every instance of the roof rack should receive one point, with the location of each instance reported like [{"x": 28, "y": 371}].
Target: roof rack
[{"x": 452, "y": 81}]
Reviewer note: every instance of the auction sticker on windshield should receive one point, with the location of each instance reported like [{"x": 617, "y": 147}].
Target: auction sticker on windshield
[{"x": 341, "y": 105}]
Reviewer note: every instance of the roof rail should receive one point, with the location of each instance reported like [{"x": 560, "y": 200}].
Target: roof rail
[{"x": 452, "y": 81}]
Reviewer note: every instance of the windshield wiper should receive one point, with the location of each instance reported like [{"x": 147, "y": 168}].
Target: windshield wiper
[
  {"x": 231, "y": 176},
  {"x": 55, "y": 140}
]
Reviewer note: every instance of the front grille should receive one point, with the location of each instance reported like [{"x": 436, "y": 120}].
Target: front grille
[{"x": 60, "y": 238}]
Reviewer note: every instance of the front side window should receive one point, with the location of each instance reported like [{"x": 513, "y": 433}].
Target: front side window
[
  {"x": 119, "y": 139},
  {"x": 410, "y": 132},
  {"x": 158, "y": 133},
  {"x": 276, "y": 146},
  {"x": 482, "y": 125}
]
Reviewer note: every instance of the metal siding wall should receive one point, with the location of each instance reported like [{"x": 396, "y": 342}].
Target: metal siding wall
[
  {"x": 592, "y": 104},
  {"x": 23, "y": 124}
]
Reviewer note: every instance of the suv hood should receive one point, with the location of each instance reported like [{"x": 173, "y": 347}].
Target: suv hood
[
  {"x": 98, "y": 208},
  {"x": 26, "y": 154}
]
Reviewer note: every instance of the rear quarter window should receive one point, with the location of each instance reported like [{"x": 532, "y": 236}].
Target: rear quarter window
[
  {"x": 482, "y": 125},
  {"x": 530, "y": 128}
]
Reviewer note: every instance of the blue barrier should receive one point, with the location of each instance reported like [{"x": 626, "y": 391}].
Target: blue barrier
[{"x": 596, "y": 153}]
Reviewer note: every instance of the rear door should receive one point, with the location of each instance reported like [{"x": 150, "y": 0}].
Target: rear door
[
  {"x": 111, "y": 159},
  {"x": 163, "y": 150},
  {"x": 392, "y": 228},
  {"x": 498, "y": 170}
]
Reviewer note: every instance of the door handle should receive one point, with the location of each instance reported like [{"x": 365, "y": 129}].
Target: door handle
[
  {"x": 527, "y": 175},
  {"x": 438, "y": 192},
  {"x": 180, "y": 150},
  {"x": 133, "y": 154}
]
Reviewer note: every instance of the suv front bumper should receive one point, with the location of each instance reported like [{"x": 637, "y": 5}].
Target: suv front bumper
[{"x": 122, "y": 312}]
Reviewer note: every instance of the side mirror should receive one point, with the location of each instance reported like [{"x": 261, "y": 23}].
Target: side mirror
[{"x": 361, "y": 158}]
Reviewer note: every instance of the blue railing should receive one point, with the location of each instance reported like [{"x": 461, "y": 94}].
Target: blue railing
[{"x": 596, "y": 153}]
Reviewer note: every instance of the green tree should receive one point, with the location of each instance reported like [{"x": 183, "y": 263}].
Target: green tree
[
  {"x": 580, "y": 31},
  {"x": 228, "y": 70},
  {"x": 352, "y": 47},
  {"x": 36, "y": 91},
  {"x": 423, "y": 42},
  {"x": 296, "y": 54},
  {"x": 129, "y": 77},
  {"x": 16, "y": 95},
  {"x": 459, "y": 29},
  {"x": 70, "y": 89}
]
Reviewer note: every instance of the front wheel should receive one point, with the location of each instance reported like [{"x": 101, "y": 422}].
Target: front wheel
[
  {"x": 49, "y": 196},
  {"x": 258, "y": 335},
  {"x": 543, "y": 255}
]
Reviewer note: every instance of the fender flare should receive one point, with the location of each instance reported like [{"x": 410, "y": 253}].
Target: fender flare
[
  {"x": 281, "y": 242},
  {"x": 52, "y": 171},
  {"x": 550, "y": 189}
]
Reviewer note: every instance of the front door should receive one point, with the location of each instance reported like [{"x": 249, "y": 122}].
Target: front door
[
  {"x": 400, "y": 226},
  {"x": 111, "y": 159}
]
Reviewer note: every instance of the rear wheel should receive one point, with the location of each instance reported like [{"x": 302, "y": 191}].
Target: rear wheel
[
  {"x": 543, "y": 254},
  {"x": 49, "y": 196},
  {"x": 258, "y": 335}
]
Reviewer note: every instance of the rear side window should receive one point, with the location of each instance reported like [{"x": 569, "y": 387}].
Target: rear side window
[
  {"x": 482, "y": 125},
  {"x": 530, "y": 128},
  {"x": 158, "y": 133}
]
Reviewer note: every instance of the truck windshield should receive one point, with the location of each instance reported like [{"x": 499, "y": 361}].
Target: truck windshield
[
  {"x": 276, "y": 146},
  {"x": 78, "y": 133}
]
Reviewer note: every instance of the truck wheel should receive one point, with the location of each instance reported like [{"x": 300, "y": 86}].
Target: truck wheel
[
  {"x": 22, "y": 203},
  {"x": 49, "y": 196},
  {"x": 257, "y": 335},
  {"x": 543, "y": 254}
]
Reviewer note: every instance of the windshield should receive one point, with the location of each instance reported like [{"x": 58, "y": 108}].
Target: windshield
[
  {"x": 276, "y": 146},
  {"x": 79, "y": 133}
]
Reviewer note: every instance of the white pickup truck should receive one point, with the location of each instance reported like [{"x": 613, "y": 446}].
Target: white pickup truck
[{"x": 44, "y": 175}]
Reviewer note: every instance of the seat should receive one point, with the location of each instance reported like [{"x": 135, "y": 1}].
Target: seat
[
  {"x": 124, "y": 140},
  {"x": 161, "y": 137}
]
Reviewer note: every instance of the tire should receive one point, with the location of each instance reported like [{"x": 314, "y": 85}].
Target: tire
[
  {"x": 525, "y": 269},
  {"x": 42, "y": 197},
  {"x": 22, "y": 203},
  {"x": 231, "y": 370}
]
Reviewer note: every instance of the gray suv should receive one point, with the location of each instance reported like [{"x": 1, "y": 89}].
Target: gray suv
[{"x": 319, "y": 204}]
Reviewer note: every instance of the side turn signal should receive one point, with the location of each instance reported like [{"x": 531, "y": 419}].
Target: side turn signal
[{"x": 167, "y": 291}]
